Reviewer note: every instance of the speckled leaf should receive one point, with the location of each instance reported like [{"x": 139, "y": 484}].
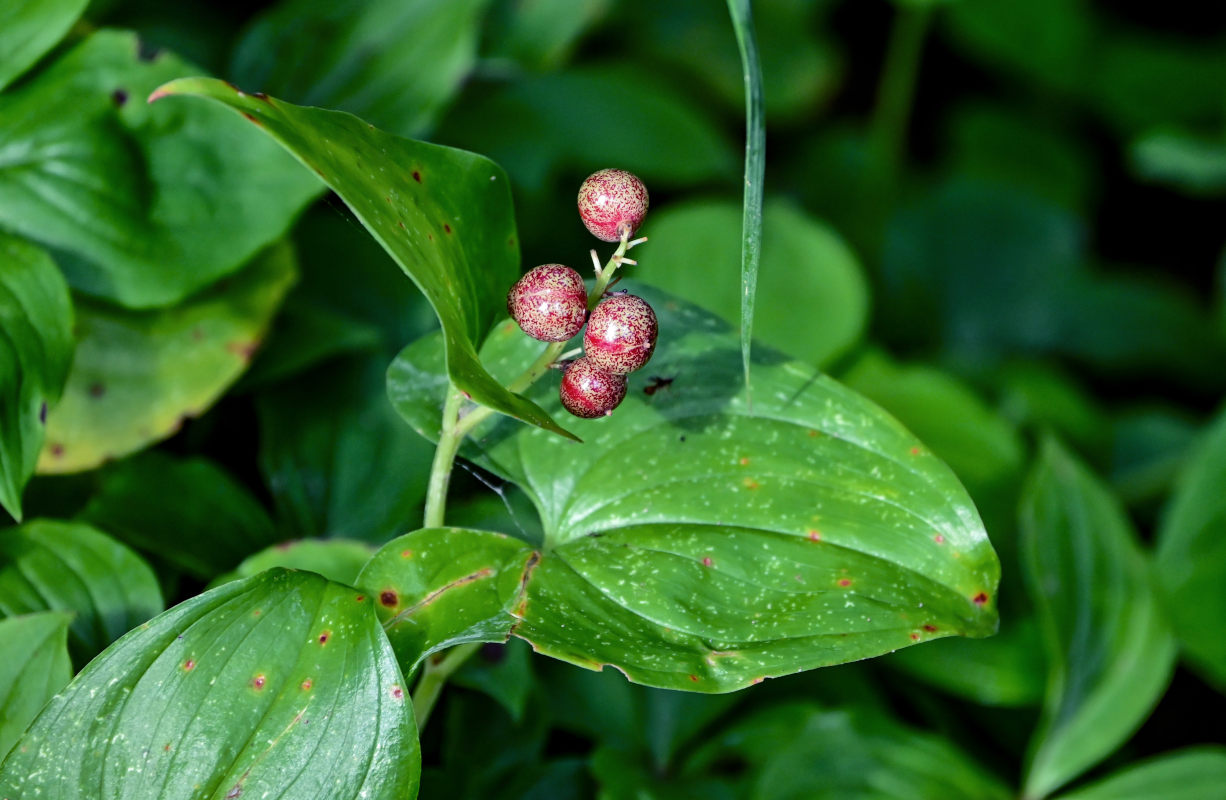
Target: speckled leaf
[
  {"x": 35, "y": 351},
  {"x": 29, "y": 28},
  {"x": 35, "y": 666},
  {"x": 1196, "y": 773},
  {"x": 146, "y": 205},
  {"x": 357, "y": 56},
  {"x": 188, "y": 512},
  {"x": 48, "y": 565},
  {"x": 1109, "y": 649},
  {"x": 444, "y": 215},
  {"x": 138, "y": 374},
  {"x": 278, "y": 686},
  {"x": 337, "y": 560},
  {"x": 696, "y": 547},
  {"x": 438, "y": 587},
  {"x": 1191, "y": 557}
]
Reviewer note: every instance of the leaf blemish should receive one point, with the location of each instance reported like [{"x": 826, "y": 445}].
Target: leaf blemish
[
  {"x": 42, "y": 414},
  {"x": 930, "y": 628},
  {"x": 915, "y": 451},
  {"x": 980, "y": 599},
  {"x": 189, "y": 665},
  {"x": 96, "y": 390},
  {"x": 417, "y": 176},
  {"x": 844, "y": 582},
  {"x": 257, "y": 682},
  {"x": 323, "y": 637},
  {"x": 751, "y": 484},
  {"x": 397, "y": 692},
  {"x": 307, "y": 684},
  {"x": 446, "y": 228},
  {"x": 389, "y": 598},
  {"x": 119, "y": 97},
  {"x": 706, "y": 561},
  {"x": 406, "y": 553},
  {"x": 57, "y": 450},
  {"x": 939, "y": 539},
  {"x": 814, "y": 535}
]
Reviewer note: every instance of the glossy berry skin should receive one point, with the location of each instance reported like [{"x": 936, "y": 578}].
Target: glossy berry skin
[
  {"x": 588, "y": 391},
  {"x": 549, "y": 303},
  {"x": 621, "y": 334},
  {"x": 610, "y": 200}
]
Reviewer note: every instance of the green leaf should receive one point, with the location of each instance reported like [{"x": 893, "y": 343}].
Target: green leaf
[
  {"x": 807, "y": 268},
  {"x": 1149, "y": 447},
  {"x": 188, "y": 512},
  {"x": 800, "y": 750},
  {"x": 1110, "y": 651},
  {"x": 48, "y": 565},
  {"x": 504, "y": 672},
  {"x": 35, "y": 351},
  {"x": 1191, "y": 164},
  {"x": 741, "y": 12},
  {"x": 279, "y": 686},
  {"x": 337, "y": 459},
  {"x": 355, "y": 56},
  {"x": 338, "y": 560},
  {"x": 662, "y": 134},
  {"x": 35, "y": 667},
  {"x": 1194, "y": 773},
  {"x": 439, "y": 587},
  {"x": 541, "y": 34},
  {"x": 137, "y": 375},
  {"x": 1141, "y": 80},
  {"x": 29, "y": 28},
  {"x": 176, "y": 197},
  {"x": 444, "y": 215},
  {"x": 696, "y": 547},
  {"x": 1191, "y": 555}
]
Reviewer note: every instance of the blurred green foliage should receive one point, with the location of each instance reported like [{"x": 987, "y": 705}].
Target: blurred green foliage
[{"x": 1009, "y": 236}]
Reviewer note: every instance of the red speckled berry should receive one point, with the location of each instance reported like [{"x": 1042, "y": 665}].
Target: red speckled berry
[
  {"x": 610, "y": 200},
  {"x": 549, "y": 303},
  {"x": 588, "y": 391},
  {"x": 621, "y": 334}
]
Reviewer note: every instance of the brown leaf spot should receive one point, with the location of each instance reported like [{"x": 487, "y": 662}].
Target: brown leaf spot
[
  {"x": 388, "y": 598},
  {"x": 706, "y": 561},
  {"x": 258, "y": 682},
  {"x": 980, "y": 599},
  {"x": 260, "y": 96},
  {"x": 236, "y": 792},
  {"x": 930, "y": 628},
  {"x": 244, "y": 350},
  {"x": 57, "y": 450},
  {"x": 417, "y": 176},
  {"x": 915, "y": 637},
  {"x": 189, "y": 665},
  {"x": 694, "y": 678},
  {"x": 360, "y": 598},
  {"x": 397, "y": 692},
  {"x": 744, "y": 461},
  {"x": 446, "y": 228},
  {"x": 844, "y": 582},
  {"x": 96, "y": 390},
  {"x": 119, "y": 97},
  {"x": 751, "y": 484},
  {"x": 307, "y": 684},
  {"x": 815, "y": 536},
  {"x": 406, "y": 553},
  {"x": 915, "y": 451},
  {"x": 323, "y": 637},
  {"x": 401, "y": 224}
]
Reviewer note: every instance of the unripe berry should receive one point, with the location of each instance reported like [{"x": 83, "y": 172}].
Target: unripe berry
[
  {"x": 621, "y": 334},
  {"x": 588, "y": 391},
  {"x": 549, "y": 303},
  {"x": 610, "y": 200}
]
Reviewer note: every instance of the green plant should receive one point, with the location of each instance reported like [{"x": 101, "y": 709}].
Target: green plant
[{"x": 286, "y": 554}]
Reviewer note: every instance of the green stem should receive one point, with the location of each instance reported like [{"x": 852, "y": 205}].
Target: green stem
[
  {"x": 444, "y": 458},
  {"x": 896, "y": 92},
  {"x": 434, "y": 676},
  {"x": 455, "y": 427}
]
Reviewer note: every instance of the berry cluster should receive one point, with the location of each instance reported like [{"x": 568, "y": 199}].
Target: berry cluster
[{"x": 550, "y": 302}]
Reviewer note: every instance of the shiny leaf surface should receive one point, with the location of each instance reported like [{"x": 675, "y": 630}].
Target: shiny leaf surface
[
  {"x": 444, "y": 215},
  {"x": 29, "y": 28},
  {"x": 36, "y": 666},
  {"x": 279, "y": 686},
  {"x": 696, "y": 547}
]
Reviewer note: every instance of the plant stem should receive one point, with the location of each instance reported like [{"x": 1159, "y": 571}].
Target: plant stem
[
  {"x": 455, "y": 427},
  {"x": 444, "y": 458},
  {"x": 896, "y": 91},
  {"x": 434, "y": 676}
]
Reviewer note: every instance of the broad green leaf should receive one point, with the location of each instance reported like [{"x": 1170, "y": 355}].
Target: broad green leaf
[
  {"x": 338, "y": 560},
  {"x": 1149, "y": 447},
  {"x": 137, "y": 375},
  {"x": 696, "y": 547},
  {"x": 808, "y": 274},
  {"x": 35, "y": 666},
  {"x": 444, "y": 215},
  {"x": 61, "y": 566},
  {"x": 439, "y": 587},
  {"x": 1039, "y": 395},
  {"x": 278, "y": 686},
  {"x": 392, "y": 63},
  {"x": 1110, "y": 651},
  {"x": 803, "y": 752},
  {"x": 35, "y": 352},
  {"x": 1191, "y": 555},
  {"x": 337, "y": 459},
  {"x": 175, "y": 196},
  {"x": 1195, "y": 773},
  {"x": 983, "y": 449},
  {"x": 304, "y": 335},
  {"x": 1141, "y": 80},
  {"x": 1194, "y": 165},
  {"x": 741, "y": 12},
  {"x": 188, "y": 512},
  {"x": 29, "y": 28},
  {"x": 545, "y": 122},
  {"x": 541, "y": 34}
]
